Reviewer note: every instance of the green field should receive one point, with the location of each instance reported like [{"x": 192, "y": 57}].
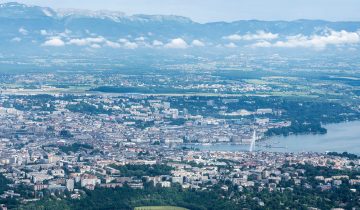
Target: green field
[{"x": 159, "y": 208}]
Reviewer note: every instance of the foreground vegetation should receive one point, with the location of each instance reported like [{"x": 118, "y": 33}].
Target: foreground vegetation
[
  {"x": 159, "y": 208},
  {"x": 296, "y": 197},
  {"x": 143, "y": 170}
]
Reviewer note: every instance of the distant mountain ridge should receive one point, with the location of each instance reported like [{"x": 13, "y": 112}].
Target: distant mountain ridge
[
  {"x": 14, "y": 10},
  {"x": 24, "y": 25}
]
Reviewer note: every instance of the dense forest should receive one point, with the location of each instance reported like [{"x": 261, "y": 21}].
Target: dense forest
[
  {"x": 143, "y": 170},
  {"x": 3, "y": 184}
]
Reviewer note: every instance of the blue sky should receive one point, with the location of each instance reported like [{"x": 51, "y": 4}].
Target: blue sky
[{"x": 221, "y": 10}]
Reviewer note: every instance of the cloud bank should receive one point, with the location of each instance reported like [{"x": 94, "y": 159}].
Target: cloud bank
[
  {"x": 260, "y": 35},
  {"x": 334, "y": 38},
  {"x": 259, "y": 39}
]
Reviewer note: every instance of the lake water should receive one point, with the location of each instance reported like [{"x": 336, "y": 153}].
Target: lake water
[{"x": 341, "y": 137}]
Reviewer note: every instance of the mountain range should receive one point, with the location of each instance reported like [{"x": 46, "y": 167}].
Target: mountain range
[{"x": 33, "y": 27}]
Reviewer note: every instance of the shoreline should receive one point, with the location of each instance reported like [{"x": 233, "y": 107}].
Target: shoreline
[{"x": 335, "y": 141}]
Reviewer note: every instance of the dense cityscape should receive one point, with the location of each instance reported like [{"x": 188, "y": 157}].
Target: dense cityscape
[
  {"x": 102, "y": 111},
  {"x": 57, "y": 143}
]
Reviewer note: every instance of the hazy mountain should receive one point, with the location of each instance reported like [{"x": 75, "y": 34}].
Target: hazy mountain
[{"x": 33, "y": 26}]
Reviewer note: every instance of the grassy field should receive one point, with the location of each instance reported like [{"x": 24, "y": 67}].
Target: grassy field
[{"x": 159, "y": 208}]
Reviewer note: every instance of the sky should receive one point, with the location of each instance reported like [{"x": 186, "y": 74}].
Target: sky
[{"x": 220, "y": 10}]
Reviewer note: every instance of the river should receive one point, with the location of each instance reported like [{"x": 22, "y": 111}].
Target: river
[{"x": 341, "y": 137}]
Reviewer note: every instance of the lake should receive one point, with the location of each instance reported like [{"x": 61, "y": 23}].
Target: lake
[{"x": 341, "y": 137}]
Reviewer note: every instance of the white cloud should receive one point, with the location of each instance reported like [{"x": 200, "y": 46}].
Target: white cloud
[
  {"x": 130, "y": 45},
  {"x": 231, "y": 45},
  {"x": 260, "y": 35},
  {"x": 112, "y": 44},
  {"x": 123, "y": 40},
  {"x": 78, "y": 42},
  {"x": 65, "y": 34},
  {"x": 87, "y": 41},
  {"x": 44, "y": 32},
  {"x": 177, "y": 43},
  {"x": 197, "y": 43},
  {"x": 98, "y": 42},
  {"x": 96, "y": 39},
  {"x": 157, "y": 43},
  {"x": 23, "y": 31},
  {"x": 141, "y": 42},
  {"x": 47, "y": 12},
  {"x": 319, "y": 42},
  {"x": 140, "y": 38},
  {"x": 96, "y": 46},
  {"x": 16, "y": 39},
  {"x": 233, "y": 37},
  {"x": 54, "y": 42},
  {"x": 262, "y": 44}
]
